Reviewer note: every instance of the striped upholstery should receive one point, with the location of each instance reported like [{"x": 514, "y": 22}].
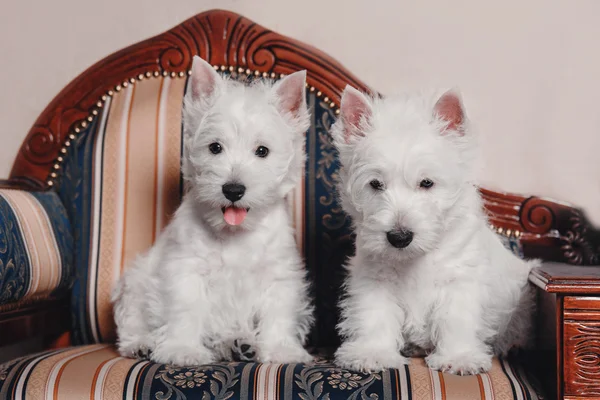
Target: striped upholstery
[
  {"x": 135, "y": 185},
  {"x": 97, "y": 372},
  {"x": 36, "y": 247}
]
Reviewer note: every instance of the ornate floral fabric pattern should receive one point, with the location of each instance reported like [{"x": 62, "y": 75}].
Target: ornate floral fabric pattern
[
  {"x": 344, "y": 380},
  {"x": 36, "y": 246},
  {"x": 98, "y": 372},
  {"x": 14, "y": 271},
  {"x": 328, "y": 237}
]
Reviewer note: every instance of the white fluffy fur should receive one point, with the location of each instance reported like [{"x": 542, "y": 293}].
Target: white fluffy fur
[
  {"x": 455, "y": 293},
  {"x": 204, "y": 283}
]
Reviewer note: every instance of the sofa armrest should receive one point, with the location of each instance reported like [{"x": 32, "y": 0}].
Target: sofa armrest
[{"x": 36, "y": 250}]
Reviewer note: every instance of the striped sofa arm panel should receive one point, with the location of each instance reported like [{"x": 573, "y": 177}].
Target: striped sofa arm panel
[{"x": 36, "y": 247}]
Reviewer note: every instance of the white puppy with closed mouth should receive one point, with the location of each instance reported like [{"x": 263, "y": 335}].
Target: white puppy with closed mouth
[
  {"x": 226, "y": 269},
  {"x": 428, "y": 276}
]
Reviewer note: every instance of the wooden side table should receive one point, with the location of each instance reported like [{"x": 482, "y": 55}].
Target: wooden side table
[{"x": 571, "y": 297}]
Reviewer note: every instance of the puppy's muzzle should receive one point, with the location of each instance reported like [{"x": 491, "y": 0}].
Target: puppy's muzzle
[{"x": 400, "y": 238}]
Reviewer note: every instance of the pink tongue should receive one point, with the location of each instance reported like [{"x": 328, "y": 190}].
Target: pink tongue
[{"x": 234, "y": 215}]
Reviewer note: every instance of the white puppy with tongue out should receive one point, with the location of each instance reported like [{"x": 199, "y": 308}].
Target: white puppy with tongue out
[{"x": 226, "y": 268}]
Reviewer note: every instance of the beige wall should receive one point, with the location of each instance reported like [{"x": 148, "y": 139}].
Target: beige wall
[{"x": 529, "y": 70}]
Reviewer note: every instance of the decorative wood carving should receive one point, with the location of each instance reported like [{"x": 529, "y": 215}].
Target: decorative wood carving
[
  {"x": 549, "y": 230},
  {"x": 582, "y": 358}
]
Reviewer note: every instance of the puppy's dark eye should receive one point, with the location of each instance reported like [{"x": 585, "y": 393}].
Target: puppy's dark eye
[
  {"x": 376, "y": 184},
  {"x": 262, "y": 151},
  {"x": 426, "y": 183},
  {"x": 215, "y": 148}
]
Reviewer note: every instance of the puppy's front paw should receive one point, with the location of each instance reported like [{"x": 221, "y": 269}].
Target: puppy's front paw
[
  {"x": 243, "y": 350},
  {"x": 460, "y": 364},
  {"x": 366, "y": 358},
  {"x": 285, "y": 354},
  {"x": 136, "y": 350},
  {"x": 181, "y": 355}
]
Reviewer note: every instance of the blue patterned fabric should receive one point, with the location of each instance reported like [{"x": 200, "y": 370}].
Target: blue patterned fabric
[
  {"x": 61, "y": 227},
  {"x": 329, "y": 240},
  {"x": 74, "y": 188},
  {"x": 16, "y": 272}
]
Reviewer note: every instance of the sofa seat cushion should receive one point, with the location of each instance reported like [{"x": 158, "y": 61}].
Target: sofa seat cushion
[{"x": 98, "y": 372}]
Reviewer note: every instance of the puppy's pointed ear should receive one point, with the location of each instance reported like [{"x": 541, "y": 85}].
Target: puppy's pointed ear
[
  {"x": 204, "y": 80},
  {"x": 449, "y": 108},
  {"x": 355, "y": 112},
  {"x": 290, "y": 95}
]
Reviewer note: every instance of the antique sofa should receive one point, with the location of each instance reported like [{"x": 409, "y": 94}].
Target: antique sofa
[{"x": 97, "y": 178}]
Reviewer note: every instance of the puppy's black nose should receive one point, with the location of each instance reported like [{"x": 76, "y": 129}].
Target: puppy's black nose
[
  {"x": 400, "y": 238},
  {"x": 234, "y": 191}
]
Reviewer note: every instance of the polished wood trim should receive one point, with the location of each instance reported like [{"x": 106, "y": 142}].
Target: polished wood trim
[
  {"x": 580, "y": 315},
  {"x": 581, "y": 353},
  {"x": 581, "y": 346},
  {"x": 45, "y": 319},
  {"x": 547, "y": 229},
  {"x": 580, "y": 303},
  {"x": 567, "y": 279},
  {"x": 559, "y": 347}
]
